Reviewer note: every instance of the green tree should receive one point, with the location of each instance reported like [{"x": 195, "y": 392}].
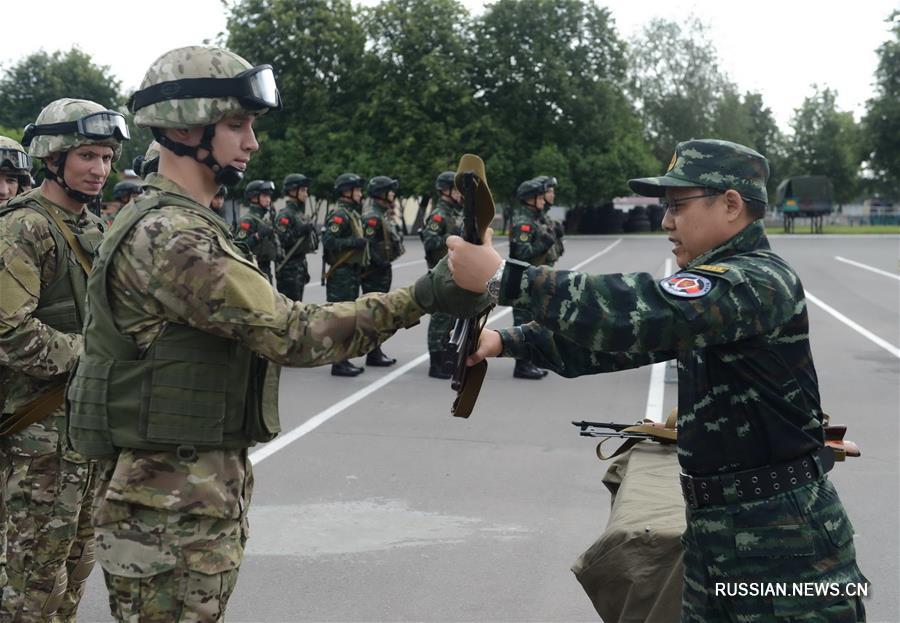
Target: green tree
[
  {"x": 42, "y": 77},
  {"x": 882, "y": 120},
  {"x": 826, "y": 141}
]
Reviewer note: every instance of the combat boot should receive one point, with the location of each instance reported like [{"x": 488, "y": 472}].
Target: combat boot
[
  {"x": 436, "y": 369},
  {"x": 345, "y": 368},
  {"x": 527, "y": 370},
  {"x": 378, "y": 359}
]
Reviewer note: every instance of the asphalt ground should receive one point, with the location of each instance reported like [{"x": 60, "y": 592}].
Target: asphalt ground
[{"x": 383, "y": 507}]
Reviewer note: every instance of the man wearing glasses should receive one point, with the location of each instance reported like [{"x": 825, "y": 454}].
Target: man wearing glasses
[
  {"x": 750, "y": 436},
  {"x": 47, "y": 243}
]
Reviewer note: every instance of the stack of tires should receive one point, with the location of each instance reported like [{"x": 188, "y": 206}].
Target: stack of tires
[
  {"x": 637, "y": 220},
  {"x": 655, "y": 213},
  {"x": 609, "y": 220}
]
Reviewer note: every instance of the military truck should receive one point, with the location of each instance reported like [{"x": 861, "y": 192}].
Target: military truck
[{"x": 805, "y": 196}]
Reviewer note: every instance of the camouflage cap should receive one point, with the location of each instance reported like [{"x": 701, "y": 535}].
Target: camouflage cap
[
  {"x": 191, "y": 62},
  {"x": 62, "y": 111},
  {"x": 710, "y": 163}
]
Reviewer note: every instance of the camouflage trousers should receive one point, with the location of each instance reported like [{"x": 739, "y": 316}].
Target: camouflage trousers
[
  {"x": 162, "y": 566},
  {"x": 749, "y": 562},
  {"x": 377, "y": 279},
  {"x": 343, "y": 285},
  {"x": 439, "y": 332},
  {"x": 292, "y": 277},
  {"x": 49, "y": 547}
]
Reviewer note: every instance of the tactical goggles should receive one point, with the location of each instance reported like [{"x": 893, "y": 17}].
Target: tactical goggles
[
  {"x": 254, "y": 88},
  {"x": 14, "y": 159},
  {"x": 97, "y": 126}
]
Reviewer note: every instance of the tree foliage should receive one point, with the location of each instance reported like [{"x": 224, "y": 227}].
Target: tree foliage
[{"x": 882, "y": 121}]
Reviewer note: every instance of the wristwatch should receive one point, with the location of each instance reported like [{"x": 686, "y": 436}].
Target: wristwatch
[{"x": 493, "y": 284}]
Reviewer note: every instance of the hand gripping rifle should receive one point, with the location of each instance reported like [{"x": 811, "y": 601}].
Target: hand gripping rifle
[{"x": 478, "y": 212}]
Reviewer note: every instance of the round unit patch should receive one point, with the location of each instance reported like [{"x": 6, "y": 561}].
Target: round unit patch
[{"x": 686, "y": 285}]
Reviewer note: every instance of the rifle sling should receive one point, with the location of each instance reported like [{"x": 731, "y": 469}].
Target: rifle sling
[
  {"x": 662, "y": 435},
  {"x": 345, "y": 256},
  {"x": 34, "y": 411}
]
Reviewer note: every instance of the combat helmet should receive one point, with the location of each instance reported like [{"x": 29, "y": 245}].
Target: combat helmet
[
  {"x": 381, "y": 185},
  {"x": 13, "y": 158},
  {"x": 124, "y": 188},
  {"x": 445, "y": 181},
  {"x": 258, "y": 187},
  {"x": 347, "y": 181},
  {"x": 66, "y": 124},
  {"x": 293, "y": 181},
  {"x": 529, "y": 189},
  {"x": 149, "y": 162},
  {"x": 199, "y": 86}
]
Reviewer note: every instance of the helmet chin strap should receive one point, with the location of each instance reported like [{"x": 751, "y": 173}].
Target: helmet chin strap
[
  {"x": 60, "y": 178},
  {"x": 224, "y": 176}
]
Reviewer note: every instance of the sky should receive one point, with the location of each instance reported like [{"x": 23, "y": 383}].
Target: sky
[{"x": 778, "y": 48}]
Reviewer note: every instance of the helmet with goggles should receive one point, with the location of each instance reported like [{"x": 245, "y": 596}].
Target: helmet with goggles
[
  {"x": 13, "y": 156},
  {"x": 258, "y": 187},
  {"x": 348, "y": 181},
  {"x": 529, "y": 189},
  {"x": 199, "y": 86},
  {"x": 293, "y": 181},
  {"x": 381, "y": 185}
]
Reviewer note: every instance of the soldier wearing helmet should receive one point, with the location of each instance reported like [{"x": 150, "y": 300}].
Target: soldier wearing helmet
[
  {"x": 217, "y": 203},
  {"x": 385, "y": 245},
  {"x": 122, "y": 193},
  {"x": 255, "y": 227},
  {"x": 530, "y": 240},
  {"x": 15, "y": 168},
  {"x": 149, "y": 162},
  {"x": 557, "y": 228},
  {"x": 346, "y": 251},
  {"x": 297, "y": 232},
  {"x": 48, "y": 240},
  {"x": 443, "y": 221},
  {"x": 185, "y": 337}
]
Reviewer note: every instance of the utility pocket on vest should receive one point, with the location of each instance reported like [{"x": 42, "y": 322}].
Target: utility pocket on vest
[
  {"x": 86, "y": 409},
  {"x": 187, "y": 395},
  {"x": 262, "y": 421}
]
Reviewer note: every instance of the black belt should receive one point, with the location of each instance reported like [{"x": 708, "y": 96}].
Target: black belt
[{"x": 755, "y": 484}]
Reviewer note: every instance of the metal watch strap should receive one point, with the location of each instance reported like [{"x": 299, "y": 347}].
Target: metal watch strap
[{"x": 493, "y": 284}]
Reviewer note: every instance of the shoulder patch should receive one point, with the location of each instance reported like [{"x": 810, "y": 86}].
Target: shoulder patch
[
  {"x": 245, "y": 225},
  {"x": 686, "y": 285},
  {"x": 284, "y": 220},
  {"x": 437, "y": 218},
  {"x": 712, "y": 268},
  {"x": 338, "y": 219},
  {"x": 525, "y": 227},
  {"x": 373, "y": 222}
]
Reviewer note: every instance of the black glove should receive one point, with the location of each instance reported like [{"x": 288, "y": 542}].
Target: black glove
[
  {"x": 358, "y": 243},
  {"x": 435, "y": 291}
]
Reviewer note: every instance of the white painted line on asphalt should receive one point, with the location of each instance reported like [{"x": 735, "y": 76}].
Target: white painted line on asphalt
[
  {"x": 867, "y": 267},
  {"x": 657, "y": 390},
  {"x": 258, "y": 456},
  {"x": 855, "y": 326}
]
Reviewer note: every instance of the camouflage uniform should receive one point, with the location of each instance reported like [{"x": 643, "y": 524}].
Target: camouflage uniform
[
  {"x": 385, "y": 245},
  {"x": 48, "y": 487},
  {"x": 292, "y": 224},
  {"x": 736, "y": 320},
  {"x": 343, "y": 233},
  {"x": 257, "y": 233},
  {"x": 444, "y": 221}
]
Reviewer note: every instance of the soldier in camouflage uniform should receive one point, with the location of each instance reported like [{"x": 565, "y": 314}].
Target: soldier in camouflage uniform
[
  {"x": 47, "y": 244},
  {"x": 123, "y": 192},
  {"x": 149, "y": 162},
  {"x": 217, "y": 203},
  {"x": 255, "y": 227},
  {"x": 15, "y": 167},
  {"x": 174, "y": 301},
  {"x": 750, "y": 437},
  {"x": 298, "y": 236},
  {"x": 559, "y": 231},
  {"x": 531, "y": 240},
  {"x": 385, "y": 245},
  {"x": 346, "y": 251},
  {"x": 444, "y": 220}
]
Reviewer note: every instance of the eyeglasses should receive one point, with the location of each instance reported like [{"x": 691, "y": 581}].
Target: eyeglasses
[
  {"x": 673, "y": 204},
  {"x": 254, "y": 88},
  {"x": 97, "y": 126}
]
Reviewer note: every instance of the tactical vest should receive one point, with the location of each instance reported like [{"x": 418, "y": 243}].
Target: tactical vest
[
  {"x": 190, "y": 391},
  {"x": 358, "y": 256}
]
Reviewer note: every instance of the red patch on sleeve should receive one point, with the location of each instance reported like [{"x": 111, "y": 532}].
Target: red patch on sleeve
[
  {"x": 373, "y": 222},
  {"x": 338, "y": 219},
  {"x": 525, "y": 227},
  {"x": 245, "y": 225},
  {"x": 437, "y": 218},
  {"x": 285, "y": 220}
]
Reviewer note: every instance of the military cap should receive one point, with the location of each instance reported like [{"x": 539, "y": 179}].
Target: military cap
[
  {"x": 125, "y": 187},
  {"x": 445, "y": 181},
  {"x": 380, "y": 185},
  {"x": 346, "y": 181},
  {"x": 294, "y": 180},
  {"x": 710, "y": 163},
  {"x": 529, "y": 189}
]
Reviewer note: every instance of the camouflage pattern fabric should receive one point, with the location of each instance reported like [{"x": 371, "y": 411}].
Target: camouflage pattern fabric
[
  {"x": 343, "y": 231},
  {"x": 343, "y": 285},
  {"x": 798, "y": 536},
  {"x": 376, "y": 227},
  {"x": 255, "y": 231},
  {"x": 292, "y": 224},
  {"x": 445, "y": 220},
  {"x": 46, "y": 488},
  {"x": 376, "y": 279},
  {"x": 61, "y": 111},
  {"x": 439, "y": 332},
  {"x": 191, "y": 275},
  {"x": 531, "y": 239},
  {"x": 748, "y": 395}
]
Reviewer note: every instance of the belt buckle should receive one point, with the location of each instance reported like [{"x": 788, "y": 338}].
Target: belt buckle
[{"x": 688, "y": 490}]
